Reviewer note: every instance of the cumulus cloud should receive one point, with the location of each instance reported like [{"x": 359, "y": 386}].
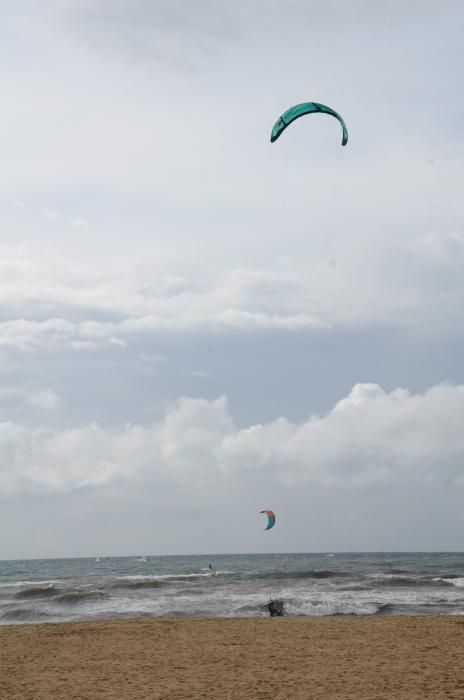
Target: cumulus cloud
[{"x": 370, "y": 437}]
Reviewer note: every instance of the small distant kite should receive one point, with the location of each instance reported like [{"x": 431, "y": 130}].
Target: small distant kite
[
  {"x": 299, "y": 111},
  {"x": 271, "y": 520}
]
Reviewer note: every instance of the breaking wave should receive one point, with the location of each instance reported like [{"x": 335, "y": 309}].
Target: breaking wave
[
  {"x": 151, "y": 583},
  {"x": 156, "y": 580},
  {"x": 454, "y": 581},
  {"x": 303, "y": 574},
  {"x": 76, "y": 597},
  {"x": 315, "y": 608},
  {"x": 410, "y": 582},
  {"x": 19, "y": 584},
  {"x": 38, "y": 592},
  {"x": 24, "y": 615}
]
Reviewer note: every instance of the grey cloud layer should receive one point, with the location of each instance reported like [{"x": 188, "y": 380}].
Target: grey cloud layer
[
  {"x": 53, "y": 302},
  {"x": 295, "y": 235}
]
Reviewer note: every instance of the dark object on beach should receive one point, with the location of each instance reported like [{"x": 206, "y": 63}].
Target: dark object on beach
[{"x": 276, "y": 608}]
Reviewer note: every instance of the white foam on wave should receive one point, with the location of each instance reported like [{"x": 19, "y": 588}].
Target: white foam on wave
[
  {"x": 159, "y": 577},
  {"x": 332, "y": 607},
  {"x": 459, "y": 582},
  {"x": 18, "y": 584},
  {"x": 224, "y": 572},
  {"x": 166, "y": 577}
]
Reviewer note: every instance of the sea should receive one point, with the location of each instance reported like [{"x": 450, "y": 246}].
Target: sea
[{"x": 238, "y": 585}]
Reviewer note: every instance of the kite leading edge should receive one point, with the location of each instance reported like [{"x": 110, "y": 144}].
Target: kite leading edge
[{"x": 300, "y": 111}]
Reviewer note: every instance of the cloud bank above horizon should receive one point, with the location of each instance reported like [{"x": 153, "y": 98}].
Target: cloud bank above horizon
[{"x": 369, "y": 437}]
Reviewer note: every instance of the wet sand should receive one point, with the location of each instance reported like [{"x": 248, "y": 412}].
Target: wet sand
[{"x": 363, "y": 658}]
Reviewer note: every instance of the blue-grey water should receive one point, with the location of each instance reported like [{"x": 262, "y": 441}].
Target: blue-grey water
[{"x": 238, "y": 585}]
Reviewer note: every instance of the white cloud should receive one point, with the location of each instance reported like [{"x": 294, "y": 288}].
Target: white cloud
[
  {"x": 73, "y": 221},
  {"x": 162, "y": 291},
  {"x": 86, "y": 345},
  {"x": 28, "y": 335},
  {"x": 153, "y": 359},
  {"x": 19, "y": 204},
  {"x": 145, "y": 294},
  {"x": 117, "y": 341},
  {"x": 46, "y": 400},
  {"x": 369, "y": 438}
]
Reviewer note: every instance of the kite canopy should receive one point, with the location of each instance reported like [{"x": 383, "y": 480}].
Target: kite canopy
[
  {"x": 271, "y": 516},
  {"x": 299, "y": 111}
]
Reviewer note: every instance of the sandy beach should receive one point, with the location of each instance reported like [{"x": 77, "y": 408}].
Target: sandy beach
[{"x": 173, "y": 658}]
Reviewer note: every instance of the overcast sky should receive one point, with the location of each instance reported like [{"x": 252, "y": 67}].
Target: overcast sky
[{"x": 196, "y": 324}]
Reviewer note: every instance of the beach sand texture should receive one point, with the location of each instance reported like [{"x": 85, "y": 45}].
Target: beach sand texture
[{"x": 172, "y": 658}]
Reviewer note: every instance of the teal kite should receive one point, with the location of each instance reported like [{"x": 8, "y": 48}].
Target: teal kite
[{"x": 300, "y": 111}]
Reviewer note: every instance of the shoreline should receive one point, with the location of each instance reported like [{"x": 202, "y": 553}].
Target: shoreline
[{"x": 173, "y": 658}]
